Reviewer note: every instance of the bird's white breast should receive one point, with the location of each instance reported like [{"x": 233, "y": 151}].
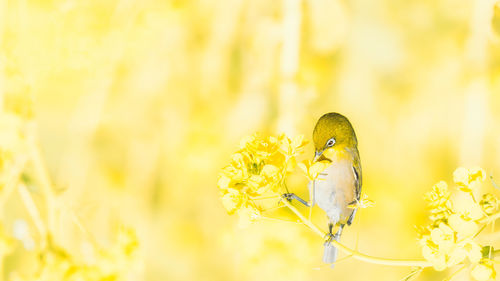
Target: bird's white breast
[{"x": 334, "y": 190}]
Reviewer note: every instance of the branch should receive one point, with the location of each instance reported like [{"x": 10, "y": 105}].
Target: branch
[
  {"x": 30, "y": 205},
  {"x": 13, "y": 179},
  {"x": 490, "y": 218},
  {"x": 356, "y": 254},
  {"x": 45, "y": 183}
]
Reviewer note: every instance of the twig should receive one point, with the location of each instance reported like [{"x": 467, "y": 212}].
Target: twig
[
  {"x": 13, "y": 179},
  {"x": 33, "y": 211},
  {"x": 455, "y": 273},
  {"x": 355, "y": 254},
  {"x": 490, "y": 218},
  {"x": 45, "y": 183}
]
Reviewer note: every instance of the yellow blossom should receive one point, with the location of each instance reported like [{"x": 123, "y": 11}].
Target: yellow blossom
[
  {"x": 231, "y": 200},
  {"x": 247, "y": 215},
  {"x": 464, "y": 228},
  {"x": 467, "y": 207},
  {"x": 438, "y": 195},
  {"x": 363, "y": 203},
  {"x": 468, "y": 179},
  {"x": 6, "y": 243},
  {"x": 443, "y": 236},
  {"x": 489, "y": 203},
  {"x": 434, "y": 256},
  {"x": 449, "y": 240},
  {"x": 439, "y": 202},
  {"x": 483, "y": 271},
  {"x": 441, "y": 213},
  {"x": 293, "y": 147},
  {"x": 258, "y": 168},
  {"x": 313, "y": 169},
  {"x": 223, "y": 182},
  {"x": 472, "y": 249},
  {"x": 263, "y": 147}
]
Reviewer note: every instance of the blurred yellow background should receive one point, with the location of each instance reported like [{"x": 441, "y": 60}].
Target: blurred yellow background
[{"x": 139, "y": 104}]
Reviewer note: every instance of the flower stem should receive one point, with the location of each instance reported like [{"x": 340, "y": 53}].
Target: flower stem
[
  {"x": 355, "y": 254},
  {"x": 490, "y": 218},
  {"x": 455, "y": 273},
  {"x": 45, "y": 183},
  {"x": 13, "y": 180},
  {"x": 30, "y": 205}
]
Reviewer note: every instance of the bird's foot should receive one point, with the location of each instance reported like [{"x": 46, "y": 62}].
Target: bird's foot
[
  {"x": 290, "y": 196},
  {"x": 287, "y": 196},
  {"x": 328, "y": 238}
]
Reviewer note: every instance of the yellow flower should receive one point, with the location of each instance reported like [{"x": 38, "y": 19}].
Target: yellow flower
[
  {"x": 262, "y": 148},
  {"x": 489, "y": 203},
  {"x": 6, "y": 243},
  {"x": 127, "y": 241},
  {"x": 441, "y": 213},
  {"x": 467, "y": 179},
  {"x": 259, "y": 167},
  {"x": 464, "y": 249},
  {"x": 467, "y": 207},
  {"x": 456, "y": 256},
  {"x": 483, "y": 271},
  {"x": 223, "y": 182},
  {"x": 298, "y": 144},
  {"x": 443, "y": 236},
  {"x": 438, "y": 195},
  {"x": 245, "y": 140},
  {"x": 434, "y": 256},
  {"x": 313, "y": 169},
  {"x": 461, "y": 176},
  {"x": 464, "y": 228},
  {"x": 247, "y": 215},
  {"x": 363, "y": 203},
  {"x": 231, "y": 200},
  {"x": 439, "y": 203},
  {"x": 257, "y": 184},
  {"x": 292, "y": 147},
  {"x": 472, "y": 249}
]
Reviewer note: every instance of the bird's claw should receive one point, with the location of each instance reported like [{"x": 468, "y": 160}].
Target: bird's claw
[
  {"x": 328, "y": 238},
  {"x": 287, "y": 196},
  {"x": 291, "y": 196}
]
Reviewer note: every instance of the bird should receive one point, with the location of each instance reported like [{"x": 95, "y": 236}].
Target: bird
[{"x": 338, "y": 186}]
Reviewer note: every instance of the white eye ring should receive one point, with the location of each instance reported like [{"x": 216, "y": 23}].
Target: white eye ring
[{"x": 330, "y": 142}]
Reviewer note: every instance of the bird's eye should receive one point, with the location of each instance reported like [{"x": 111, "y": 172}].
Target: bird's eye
[{"x": 330, "y": 142}]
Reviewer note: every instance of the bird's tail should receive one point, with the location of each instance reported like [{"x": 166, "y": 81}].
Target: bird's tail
[{"x": 330, "y": 252}]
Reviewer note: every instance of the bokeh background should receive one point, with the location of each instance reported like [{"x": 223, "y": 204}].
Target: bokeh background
[{"x": 139, "y": 104}]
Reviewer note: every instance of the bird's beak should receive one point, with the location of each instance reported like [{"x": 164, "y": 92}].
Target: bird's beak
[{"x": 317, "y": 154}]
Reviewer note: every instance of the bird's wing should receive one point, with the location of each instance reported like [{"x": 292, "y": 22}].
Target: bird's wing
[{"x": 356, "y": 167}]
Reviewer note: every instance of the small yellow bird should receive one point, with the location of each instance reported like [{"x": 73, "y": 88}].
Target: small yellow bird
[{"x": 339, "y": 185}]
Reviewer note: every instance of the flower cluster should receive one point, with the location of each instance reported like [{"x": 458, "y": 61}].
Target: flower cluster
[
  {"x": 257, "y": 169},
  {"x": 15, "y": 116},
  {"x": 455, "y": 222},
  {"x": 17, "y": 139},
  {"x": 114, "y": 263}
]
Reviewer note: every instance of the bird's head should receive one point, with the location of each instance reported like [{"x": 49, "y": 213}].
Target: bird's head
[{"x": 333, "y": 130}]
